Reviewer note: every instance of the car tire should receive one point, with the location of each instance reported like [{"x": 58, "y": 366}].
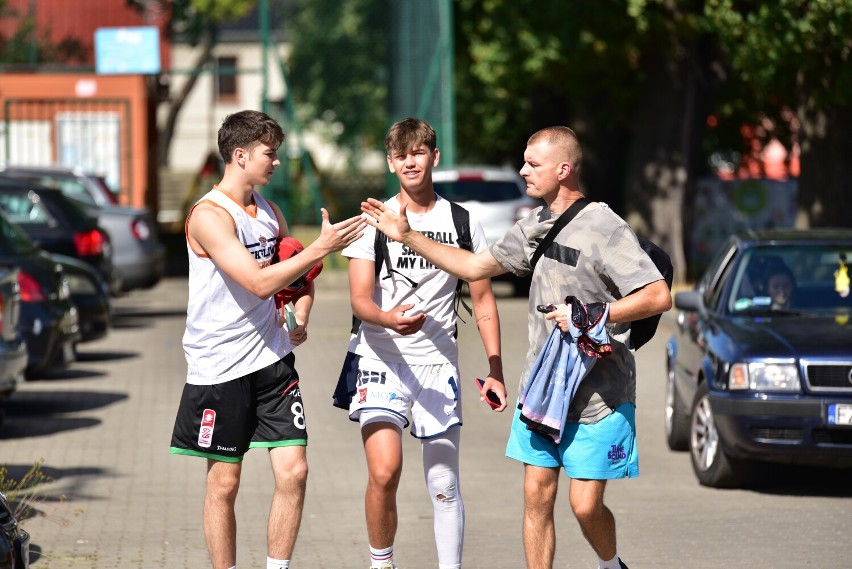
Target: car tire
[
  {"x": 711, "y": 465},
  {"x": 677, "y": 415}
]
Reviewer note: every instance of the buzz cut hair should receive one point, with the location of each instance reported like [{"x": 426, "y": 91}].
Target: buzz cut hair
[{"x": 565, "y": 140}]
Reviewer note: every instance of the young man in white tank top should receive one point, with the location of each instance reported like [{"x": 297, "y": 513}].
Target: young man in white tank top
[{"x": 242, "y": 389}]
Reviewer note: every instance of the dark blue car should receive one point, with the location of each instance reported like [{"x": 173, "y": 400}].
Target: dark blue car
[{"x": 760, "y": 367}]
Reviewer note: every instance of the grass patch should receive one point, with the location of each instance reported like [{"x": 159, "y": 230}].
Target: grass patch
[{"x": 23, "y": 494}]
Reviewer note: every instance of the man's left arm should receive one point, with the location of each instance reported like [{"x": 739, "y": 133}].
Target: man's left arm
[
  {"x": 302, "y": 305},
  {"x": 653, "y": 298},
  {"x": 488, "y": 324},
  {"x": 302, "y": 311}
]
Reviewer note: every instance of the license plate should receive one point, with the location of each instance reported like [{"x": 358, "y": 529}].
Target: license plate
[
  {"x": 840, "y": 414},
  {"x": 68, "y": 355}
]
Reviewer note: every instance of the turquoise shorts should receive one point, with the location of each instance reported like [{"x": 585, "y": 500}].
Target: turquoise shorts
[{"x": 600, "y": 451}]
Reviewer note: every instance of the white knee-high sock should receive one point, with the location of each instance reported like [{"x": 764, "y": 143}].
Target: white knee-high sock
[{"x": 441, "y": 470}]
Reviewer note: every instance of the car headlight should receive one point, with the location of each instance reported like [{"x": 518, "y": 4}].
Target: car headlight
[{"x": 764, "y": 377}]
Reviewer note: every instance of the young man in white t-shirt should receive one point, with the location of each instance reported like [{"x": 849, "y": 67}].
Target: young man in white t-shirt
[{"x": 404, "y": 355}]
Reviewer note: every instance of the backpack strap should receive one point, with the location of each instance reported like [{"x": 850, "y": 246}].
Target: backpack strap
[
  {"x": 461, "y": 220},
  {"x": 561, "y": 221}
]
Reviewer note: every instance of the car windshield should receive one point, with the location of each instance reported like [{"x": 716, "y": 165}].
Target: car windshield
[
  {"x": 792, "y": 279},
  {"x": 71, "y": 187},
  {"x": 477, "y": 190},
  {"x": 20, "y": 208},
  {"x": 13, "y": 241}
]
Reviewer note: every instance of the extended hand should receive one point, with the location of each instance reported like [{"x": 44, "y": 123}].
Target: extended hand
[
  {"x": 382, "y": 218},
  {"x": 334, "y": 237}
]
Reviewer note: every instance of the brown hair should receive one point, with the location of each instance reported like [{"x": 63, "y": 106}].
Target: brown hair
[
  {"x": 246, "y": 129},
  {"x": 405, "y": 134}
]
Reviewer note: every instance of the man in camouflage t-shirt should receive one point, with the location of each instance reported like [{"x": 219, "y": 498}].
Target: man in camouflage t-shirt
[{"x": 595, "y": 258}]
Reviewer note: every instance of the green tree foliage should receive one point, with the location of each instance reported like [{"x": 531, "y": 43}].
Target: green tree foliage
[
  {"x": 795, "y": 54},
  {"x": 781, "y": 47},
  {"x": 519, "y": 69},
  {"x": 636, "y": 79},
  {"x": 338, "y": 69}
]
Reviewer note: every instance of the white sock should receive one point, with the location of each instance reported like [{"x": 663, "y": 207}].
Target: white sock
[
  {"x": 277, "y": 563},
  {"x": 379, "y": 556},
  {"x": 611, "y": 564}
]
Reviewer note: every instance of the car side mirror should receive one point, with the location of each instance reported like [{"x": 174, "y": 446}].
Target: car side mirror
[{"x": 691, "y": 300}]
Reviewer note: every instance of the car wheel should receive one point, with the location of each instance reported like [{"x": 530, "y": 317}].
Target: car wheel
[
  {"x": 677, "y": 416},
  {"x": 711, "y": 465}
]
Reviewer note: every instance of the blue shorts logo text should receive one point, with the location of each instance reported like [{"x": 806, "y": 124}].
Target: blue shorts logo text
[{"x": 616, "y": 452}]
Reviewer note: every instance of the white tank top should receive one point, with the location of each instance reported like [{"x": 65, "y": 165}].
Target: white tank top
[{"x": 230, "y": 332}]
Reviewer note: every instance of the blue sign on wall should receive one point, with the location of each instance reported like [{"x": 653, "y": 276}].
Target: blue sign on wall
[{"x": 127, "y": 50}]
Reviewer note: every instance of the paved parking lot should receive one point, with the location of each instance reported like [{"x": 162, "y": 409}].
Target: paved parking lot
[{"x": 119, "y": 500}]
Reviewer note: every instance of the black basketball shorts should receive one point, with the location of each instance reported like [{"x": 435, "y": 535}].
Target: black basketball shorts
[{"x": 222, "y": 421}]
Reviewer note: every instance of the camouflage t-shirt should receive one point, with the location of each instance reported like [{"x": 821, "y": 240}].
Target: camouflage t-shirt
[{"x": 595, "y": 258}]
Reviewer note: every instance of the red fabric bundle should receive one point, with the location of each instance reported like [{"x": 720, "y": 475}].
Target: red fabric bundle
[{"x": 288, "y": 247}]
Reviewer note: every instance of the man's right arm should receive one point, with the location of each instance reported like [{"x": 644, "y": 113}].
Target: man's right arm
[
  {"x": 460, "y": 263},
  {"x": 361, "y": 285},
  {"x": 211, "y": 229}
]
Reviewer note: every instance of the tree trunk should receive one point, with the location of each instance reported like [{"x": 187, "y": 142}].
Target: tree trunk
[
  {"x": 665, "y": 151},
  {"x": 825, "y": 182},
  {"x": 168, "y": 130}
]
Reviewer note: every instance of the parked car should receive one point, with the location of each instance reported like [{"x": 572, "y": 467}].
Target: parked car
[
  {"x": 58, "y": 224},
  {"x": 13, "y": 348},
  {"x": 760, "y": 366},
  {"x": 90, "y": 294},
  {"x": 49, "y": 319},
  {"x": 138, "y": 254},
  {"x": 496, "y": 196},
  {"x": 14, "y": 541}
]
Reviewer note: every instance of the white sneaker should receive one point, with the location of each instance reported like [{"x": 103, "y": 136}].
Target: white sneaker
[{"x": 384, "y": 566}]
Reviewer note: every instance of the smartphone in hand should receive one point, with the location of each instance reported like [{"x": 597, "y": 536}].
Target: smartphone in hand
[{"x": 490, "y": 397}]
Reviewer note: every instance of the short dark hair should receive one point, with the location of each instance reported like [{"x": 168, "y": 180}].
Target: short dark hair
[
  {"x": 246, "y": 129},
  {"x": 408, "y": 133}
]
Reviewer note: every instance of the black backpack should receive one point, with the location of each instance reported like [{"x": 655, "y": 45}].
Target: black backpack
[
  {"x": 461, "y": 221},
  {"x": 641, "y": 331}
]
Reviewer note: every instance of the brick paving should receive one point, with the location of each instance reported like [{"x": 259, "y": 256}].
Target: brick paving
[{"x": 120, "y": 500}]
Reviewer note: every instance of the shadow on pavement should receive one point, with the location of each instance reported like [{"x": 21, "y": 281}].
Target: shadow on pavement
[
  {"x": 139, "y": 317},
  {"x": 104, "y": 356},
  {"x": 39, "y": 413},
  {"x": 141, "y": 312},
  {"x": 69, "y": 373},
  {"x": 794, "y": 480}
]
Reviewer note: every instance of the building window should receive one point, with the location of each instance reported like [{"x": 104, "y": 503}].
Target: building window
[{"x": 226, "y": 78}]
